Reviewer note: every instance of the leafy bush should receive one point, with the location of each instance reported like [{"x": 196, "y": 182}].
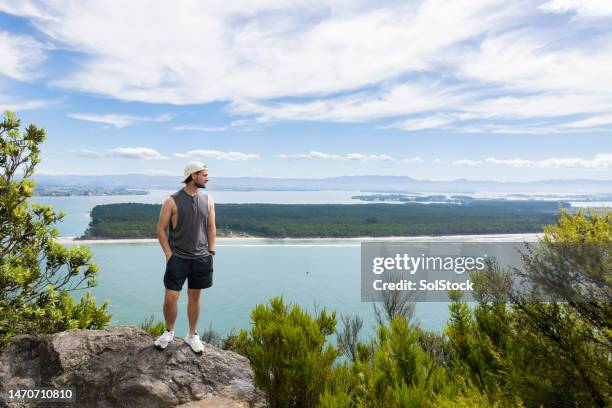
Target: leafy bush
[
  {"x": 37, "y": 274},
  {"x": 152, "y": 327},
  {"x": 549, "y": 345},
  {"x": 286, "y": 348}
]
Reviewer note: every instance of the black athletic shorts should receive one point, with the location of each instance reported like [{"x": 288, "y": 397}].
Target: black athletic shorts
[{"x": 198, "y": 272}]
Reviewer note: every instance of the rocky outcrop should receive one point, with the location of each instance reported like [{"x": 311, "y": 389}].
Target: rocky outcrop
[{"x": 119, "y": 367}]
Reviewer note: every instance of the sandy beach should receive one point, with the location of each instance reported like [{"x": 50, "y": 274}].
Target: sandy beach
[{"x": 478, "y": 238}]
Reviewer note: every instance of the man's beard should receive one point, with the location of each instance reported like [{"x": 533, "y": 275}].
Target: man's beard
[{"x": 199, "y": 185}]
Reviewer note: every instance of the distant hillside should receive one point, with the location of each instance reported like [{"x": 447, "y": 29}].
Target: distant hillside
[
  {"x": 355, "y": 183},
  {"x": 115, "y": 221}
]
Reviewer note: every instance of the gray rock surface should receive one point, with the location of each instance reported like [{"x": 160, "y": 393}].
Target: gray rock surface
[{"x": 119, "y": 367}]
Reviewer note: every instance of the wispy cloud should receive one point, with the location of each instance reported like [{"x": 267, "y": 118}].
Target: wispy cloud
[
  {"x": 241, "y": 125},
  {"x": 140, "y": 153},
  {"x": 20, "y": 56},
  {"x": 314, "y": 155},
  {"x": 584, "y": 8},
  {"x": 466, "y": 162},
  {"x": 243, "y": 44},
  {"x": 462, "y": 66},
  {"x": 409, "y": 160},
  {"x": 24, "y": 105},
  {"x": 144, "y": 153},
  {"x": 599, "y": 161},
  {"x": 215, "y": 154},
  {"x": 202, "y": 128},
  {"x": 117, "y": 120},
  {"x": 421, "y": 123},
  {"x": 392, "y": 101},
  {"x": 85, "y": 153}
]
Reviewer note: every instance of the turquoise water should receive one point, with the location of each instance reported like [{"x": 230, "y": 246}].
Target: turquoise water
[{"x": 314, "y": 274}]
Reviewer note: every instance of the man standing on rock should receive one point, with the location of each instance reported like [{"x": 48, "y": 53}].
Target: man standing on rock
[{"x": 189, "y": 247}]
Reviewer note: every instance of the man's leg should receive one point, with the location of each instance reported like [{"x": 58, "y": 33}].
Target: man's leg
[
  {"x": 193, "y": 309},
  {"x": 170, "y": 301}
]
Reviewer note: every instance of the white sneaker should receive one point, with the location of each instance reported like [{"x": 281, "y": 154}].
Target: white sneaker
[
  {"x": 195, "y": 343},
  {"x": 162, "y": 341}
]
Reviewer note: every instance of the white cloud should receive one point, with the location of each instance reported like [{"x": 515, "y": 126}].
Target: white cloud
[
  {"x": 584, "y": 8},
  {"x": 599, "y": 161},
  {"x": 508, "y": 114},
  {"x": 314, "y": 155},
  {"x": 396, "y": 100},
  {"x": 231, "y": 50},
  {"x": 20, "y": 56},
  {"x": 592, "y": 122},
  {"x": 23, "y": 8},
  {"x": 141, "y": 153},
  {"x": 135, "y": 153},
  {"x": 409, "y": 160},
  {"x": 368, "y": 157},
  {"x": 421, "y": 123},
  {"x": 202, "y": 128},
  {"x": 242, "y": 125},
  {"x": 118, "y": 121},
  {"x": 215, "y": 154},
  {"x": 90, "y": 154},
  {"x": 23, "y": 105},
  {"x": 537, "y": 62},
  {"x": 462, "y": 66},
  {"x": 466, "y": 162}
]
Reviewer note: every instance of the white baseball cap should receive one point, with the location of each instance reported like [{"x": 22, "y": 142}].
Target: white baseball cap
[{"x": 193, "y": 167}]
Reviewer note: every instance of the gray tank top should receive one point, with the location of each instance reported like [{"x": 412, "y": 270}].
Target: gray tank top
[{"x": 189, "y": 239}]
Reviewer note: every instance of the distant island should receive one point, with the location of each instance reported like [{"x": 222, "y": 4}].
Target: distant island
[
  {"x": 69, "y": 191},
  {"x": 415, "y": 198},
  {"x": 134, "y": 220}
]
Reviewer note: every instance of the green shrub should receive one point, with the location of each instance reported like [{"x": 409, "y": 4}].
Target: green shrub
[
  {"x": 37, "y": 275},
  {"x": 287, "y": 351},
  {"x": 519, "y": 345},
  {"x": 149, "y": 325}
]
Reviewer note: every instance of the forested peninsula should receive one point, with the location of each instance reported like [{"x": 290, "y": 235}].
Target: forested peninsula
[{"x": 135, "y": 220}]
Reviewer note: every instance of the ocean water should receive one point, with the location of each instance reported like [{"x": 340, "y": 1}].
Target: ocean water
[{"x": 315, "y": 274}]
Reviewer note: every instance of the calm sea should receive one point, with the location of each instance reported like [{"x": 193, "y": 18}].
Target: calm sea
[{"x": 315, "y": 274}]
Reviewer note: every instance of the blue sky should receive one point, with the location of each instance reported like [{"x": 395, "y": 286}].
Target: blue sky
[{"x": 478, "y": 89}]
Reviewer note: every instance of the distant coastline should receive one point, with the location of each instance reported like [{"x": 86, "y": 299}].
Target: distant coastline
[
  {"x": 303, "y": 221},
  {"x": 78, "y": 191},
  {"x": 529, "y": 237}
]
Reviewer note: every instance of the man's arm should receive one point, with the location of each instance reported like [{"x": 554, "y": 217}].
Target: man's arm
[
  {"x": 162, "y": 227},
  {"x": 211, "y": 228}
]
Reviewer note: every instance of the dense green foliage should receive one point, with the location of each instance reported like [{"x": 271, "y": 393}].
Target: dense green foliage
[
  {"x": 514, "y": 348},
  {"x": 336, "y": 220},
  {"x": 37, "y": 273},
  {"x": 287, "y": 351},
  {"x": 154, "y": 328},
  {"x": 400, "y": 368},
  {"x": 556, "y": 354}
]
